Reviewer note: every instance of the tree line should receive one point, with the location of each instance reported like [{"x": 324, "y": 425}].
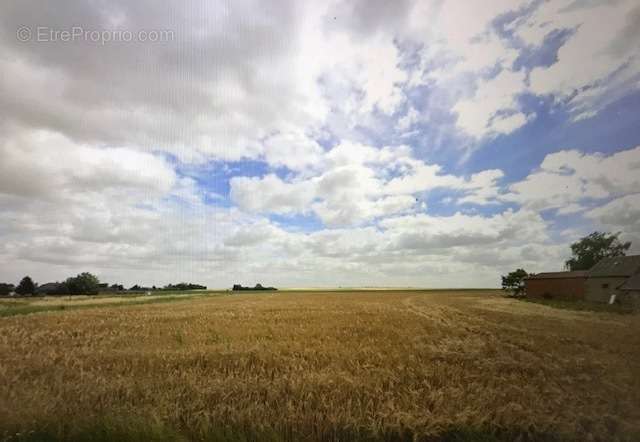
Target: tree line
[
  {"x": 85, "y": 284},
  {"x": 585, "y": 253}
]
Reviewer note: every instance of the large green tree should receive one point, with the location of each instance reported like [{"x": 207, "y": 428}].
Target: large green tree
[
  {"x": 592, "y": 248},
  {"x": 514, "y": 281},
  {"x": 26, "y": 286},
  {"x": 83, "y": 284}
]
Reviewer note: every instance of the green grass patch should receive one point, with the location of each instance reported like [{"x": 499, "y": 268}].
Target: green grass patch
[
  {"x": 21, "y": 307},
  {"x": 25, "y": 309},
  {"x": 582, "y": 305}
]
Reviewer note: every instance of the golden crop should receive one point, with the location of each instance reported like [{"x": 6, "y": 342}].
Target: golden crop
[{"x": 323, "y": 366}]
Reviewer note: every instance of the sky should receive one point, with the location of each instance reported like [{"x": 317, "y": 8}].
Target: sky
[{"x": 433, "y": 143}]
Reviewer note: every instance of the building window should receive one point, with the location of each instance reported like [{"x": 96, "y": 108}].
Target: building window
[{"x": 605, "y": 286}]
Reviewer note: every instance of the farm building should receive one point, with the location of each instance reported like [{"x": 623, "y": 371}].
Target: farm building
[
  {"x": 608, "y": 277},
  {"x": 568, "y": 286},
  {"x": 631, "y": 290},
  {"x": 50, "y": 288}
]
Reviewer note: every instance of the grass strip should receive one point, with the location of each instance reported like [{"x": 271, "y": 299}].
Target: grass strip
[{"x": 14, "y": 308}]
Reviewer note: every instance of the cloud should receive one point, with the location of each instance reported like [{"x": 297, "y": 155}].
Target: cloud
[
  {"x": 570, "y": 209},
  {"x": 117, "y": 158},
  {"x": 355, "y": 183},
  {"x": 483, "y": 187},
  {"x": 45, "y": 165},
  {"x": 292, "y": 150},
  {"x": 347, "y": 211},
  {"x": 597, "y": 64},
  {"x": 424, "y": 232},
  {"x": 478, "y": 115},
  {"x": 465, "y": 59},
  {"x": 621, "y": 212},
  {"x": 270, "y": 193},
  {"x": 248, "y": 83},
  {"x": 461, "y": 35},
  {"x": 623, "y": 215},
  {"x": 477, "y": 55},
  {"x": 209, "y": 91},
  {"x": 252, "y": 235},
  {"x": 571, "y": 177}
]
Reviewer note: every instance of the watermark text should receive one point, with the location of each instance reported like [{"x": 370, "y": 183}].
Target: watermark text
[{"x": 47, "y": 34}]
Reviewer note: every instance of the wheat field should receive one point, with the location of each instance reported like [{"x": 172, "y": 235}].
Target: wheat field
[{"x": 375, "y": 365}]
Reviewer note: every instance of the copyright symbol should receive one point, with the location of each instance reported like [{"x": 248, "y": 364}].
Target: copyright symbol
[{"x": 23, "y": 34}]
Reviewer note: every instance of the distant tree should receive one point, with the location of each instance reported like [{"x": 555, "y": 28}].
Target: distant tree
[
  {"x": 26, "y": 286},
  {"x": 5, "y": 289},
  {"x": 184, "y": 286},
  {"x": 514, "y": 281},
  {"x": 83, "y": 284},
  {"x": 592, "y": 248},
  {"x": 239, "y": 287}
]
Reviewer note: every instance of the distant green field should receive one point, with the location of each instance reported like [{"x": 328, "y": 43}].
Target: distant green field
[
  {"x": 583, "y": 305},
  {"x": 22, "y": 306}
]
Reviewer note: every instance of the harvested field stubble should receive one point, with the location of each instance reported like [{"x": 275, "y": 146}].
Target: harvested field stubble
[{"x": 322, "y": 366}]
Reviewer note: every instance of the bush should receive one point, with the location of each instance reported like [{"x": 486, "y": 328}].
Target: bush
[
  {"x": 26, "y": 286},
  {"x": 5, "y": 289},
  {"x": 514, "y": 282},
  {"x": 83, "y": 284}
]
